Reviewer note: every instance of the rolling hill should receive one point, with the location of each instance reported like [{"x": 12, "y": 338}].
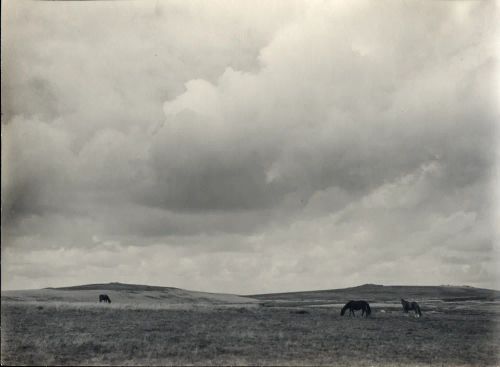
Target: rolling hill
[
  {"x": 126, "y": 294},
  {"x": 136, "y": 294},
  {"x": 381, "y": 293}
]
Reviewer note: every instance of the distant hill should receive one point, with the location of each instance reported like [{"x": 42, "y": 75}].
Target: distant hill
[
  {"x": 145, "y": 294},
  {"x": 121, "y": 293},
  {"x": 114, "y": 287},
  {"x": 381, "y": 293}
]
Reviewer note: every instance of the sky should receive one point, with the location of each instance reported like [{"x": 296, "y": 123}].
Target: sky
[{"x": 250, "y": 146}]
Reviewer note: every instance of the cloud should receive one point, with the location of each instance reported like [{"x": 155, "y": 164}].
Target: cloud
[
  {"x": 289, "y": 145},
  {"x": 309, "y": 123}
]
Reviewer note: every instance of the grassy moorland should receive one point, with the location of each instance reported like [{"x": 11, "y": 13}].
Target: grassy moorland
[{"x": 451, "y": 333}]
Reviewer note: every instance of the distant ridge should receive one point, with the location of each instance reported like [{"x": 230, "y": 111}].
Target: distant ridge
[
  {"x": 132, "y": 294},
  {"x": 447, "y": 293},
  {"x": 389, "y": 292},
  {"x": 113, "y": 287}
]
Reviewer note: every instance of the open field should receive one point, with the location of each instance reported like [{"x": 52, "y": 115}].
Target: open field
[{"x": 270, "y": 333}]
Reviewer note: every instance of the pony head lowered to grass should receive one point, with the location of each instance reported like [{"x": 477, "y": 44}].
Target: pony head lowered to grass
[
  {"x": 104, "y": 298},
  {"x": 356, "y": 305}
]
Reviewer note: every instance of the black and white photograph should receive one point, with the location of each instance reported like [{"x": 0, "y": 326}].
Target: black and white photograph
[{"x": 250, "y": 183}]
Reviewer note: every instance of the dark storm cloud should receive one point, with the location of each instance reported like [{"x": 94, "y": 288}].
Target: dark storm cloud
[{"x": 290, "y": 143}]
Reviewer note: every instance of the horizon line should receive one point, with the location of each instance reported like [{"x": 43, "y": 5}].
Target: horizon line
[{"x": 254, "y": 294}]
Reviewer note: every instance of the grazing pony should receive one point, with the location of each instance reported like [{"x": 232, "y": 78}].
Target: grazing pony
[
  {"x": 104, "y": 298},
  {"x": 408, "y": 306},
  {"x": 356, "y": 305}
]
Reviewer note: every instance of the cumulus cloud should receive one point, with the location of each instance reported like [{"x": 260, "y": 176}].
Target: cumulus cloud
[{"x": 240, "y": 149}]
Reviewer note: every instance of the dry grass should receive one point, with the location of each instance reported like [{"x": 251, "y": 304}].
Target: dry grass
[{"x": 84, "y": 334}]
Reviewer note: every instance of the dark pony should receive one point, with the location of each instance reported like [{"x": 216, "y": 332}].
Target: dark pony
[
  {"x": 408, "y": 306},
  {"x": 357, "y": 305},
  {"x": 104, "y": 298}
]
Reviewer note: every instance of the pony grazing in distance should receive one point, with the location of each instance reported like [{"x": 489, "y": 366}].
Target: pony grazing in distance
[
  {"x": 104, "y": 298},
  {"x": 408, "y": 306},
  {"x": 356, "y": 305}
]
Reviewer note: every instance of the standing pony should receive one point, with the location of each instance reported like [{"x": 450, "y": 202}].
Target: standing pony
[
  {"x": 408, "y": 306},
  {"x": 356, "y": 305}
]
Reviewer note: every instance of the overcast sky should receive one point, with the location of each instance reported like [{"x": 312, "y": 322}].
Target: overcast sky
[{"x": 249, "y": 147}]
